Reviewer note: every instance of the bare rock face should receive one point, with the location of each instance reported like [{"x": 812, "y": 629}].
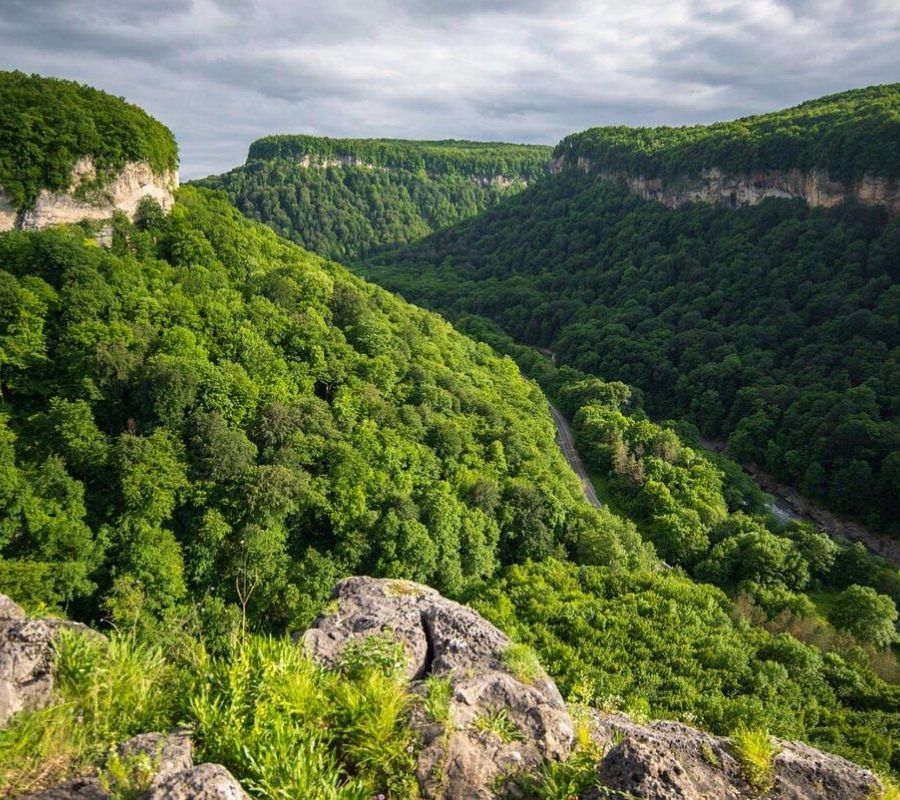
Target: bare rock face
[
  {"x": 669, "y": 761},
  {"x": 713, "y": 185},
  {"x": 26, "y": 659},
  {"x": 123, "y": 192},
  {"x": 170, "y": 753},
  {"x": 499, "y": 724}
]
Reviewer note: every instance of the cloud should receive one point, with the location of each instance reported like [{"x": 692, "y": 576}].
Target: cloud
[{"x": 223, "y": 72}]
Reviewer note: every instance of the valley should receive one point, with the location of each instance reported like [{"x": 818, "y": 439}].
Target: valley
[{"x": 272, "y": 526}]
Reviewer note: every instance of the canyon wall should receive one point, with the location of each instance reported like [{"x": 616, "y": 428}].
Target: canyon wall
[
  {"x": 83, "y": 200},
  {"x": 715, "y": 186}
]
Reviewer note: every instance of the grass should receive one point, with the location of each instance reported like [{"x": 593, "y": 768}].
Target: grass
[
  {"x": 283, "y": 726},
  {"x": 499, "y": 724},
  {"x": 108, "y": 690},
  {"x": 287, "y": 728},
  {"x": 522, "y": 663},
  {"x": 438, "y": 694},
  {"x": 755, "y": 751},
  {"x": 128, "y": 777}
]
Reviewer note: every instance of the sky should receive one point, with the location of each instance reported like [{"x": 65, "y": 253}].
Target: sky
[{"x": 221, "y": 73}]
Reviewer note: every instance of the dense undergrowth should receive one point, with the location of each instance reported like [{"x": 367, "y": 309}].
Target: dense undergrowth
[{"x": 281, "y": 725}]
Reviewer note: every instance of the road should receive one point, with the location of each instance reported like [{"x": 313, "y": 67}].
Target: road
[{"x": 566, "y": 441}]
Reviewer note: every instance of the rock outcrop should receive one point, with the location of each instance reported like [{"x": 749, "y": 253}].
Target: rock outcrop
[
  {"x": 175, "y": 776},
  {"x": 469, "y": 755},
  {"x": 26, "y": 659},
  {"x": 123, "y": 191},
  {"x": 735, "y": 190},
  {"x": 499, "y": 724},
  {"x": 668, "y": 760}
]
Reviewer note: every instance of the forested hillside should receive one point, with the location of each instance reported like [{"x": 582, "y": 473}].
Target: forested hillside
[
  {"x": 775, "y": 328},
  {"x": 346, "y": 197},
  {"x": 46, "y": 125},
  {"x": 204, "y": 427},
  {"x": 849, "y": 135},
  {"x": 210, "y": 413}
]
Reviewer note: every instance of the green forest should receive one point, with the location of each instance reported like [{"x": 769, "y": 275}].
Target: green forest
[
  {"x": 774, "y": 328},
  {"x": 204, "y": 426},
  {"x": 47, "y": 124},
  {"x": 386, "y": 192},
  {"x": 849, "y": 135}
]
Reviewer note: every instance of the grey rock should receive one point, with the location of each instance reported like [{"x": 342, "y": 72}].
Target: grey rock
[
  {"x": 671, "y": 761},
  {"x": 802, "y": 772},
  {"x": 26, "y": 663},
  {"x": 447, "y": 640},
  {"x": 171, "y": 753},
  {"x": 10, "y": 609},
  {"x": 205, "y": 782},
  {"x": 176, "y": 777}
]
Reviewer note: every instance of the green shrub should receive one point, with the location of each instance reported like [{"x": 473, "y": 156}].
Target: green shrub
[
  {"x": 438, "y": 694},
  {"x": 287, "y": 728},
  {"x": 755, "y": 752}
]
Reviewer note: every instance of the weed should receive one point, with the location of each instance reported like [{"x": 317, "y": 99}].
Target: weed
[
  {"x": 755, "y": 752},
  {"x": 438, "y": 694},
  {"x": 379, "y": 652},
  {"x": 128, "y": 777},
  {"x": 498, "y": 723},
  {"x": 522, "y": 662},
  {"x": 710, "y": 756}
]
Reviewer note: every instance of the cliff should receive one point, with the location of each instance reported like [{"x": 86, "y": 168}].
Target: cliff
[
  {"x": 88, "y": 198},
  {"x": 714, "y": 185}
]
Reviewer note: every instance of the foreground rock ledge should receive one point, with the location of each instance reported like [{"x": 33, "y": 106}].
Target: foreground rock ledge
[
  {"x": 446, "y": 640},
  {"x": 657, "y": 761},
  {"x": 663, "y": 760}
]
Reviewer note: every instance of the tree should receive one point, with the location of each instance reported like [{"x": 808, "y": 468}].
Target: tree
[{"x": 868, "y": 616}]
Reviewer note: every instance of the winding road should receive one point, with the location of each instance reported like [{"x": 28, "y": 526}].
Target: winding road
[{"x": 566, "y": 441}]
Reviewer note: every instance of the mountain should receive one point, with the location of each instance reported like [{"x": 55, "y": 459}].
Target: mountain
[
  {"x": 347, "y": 197},
  {"x": 205, "y": 428},
  {"x": 772, "y": 326}
]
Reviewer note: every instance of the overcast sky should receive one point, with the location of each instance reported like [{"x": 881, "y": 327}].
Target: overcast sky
[{"x": 221, "y": 73}]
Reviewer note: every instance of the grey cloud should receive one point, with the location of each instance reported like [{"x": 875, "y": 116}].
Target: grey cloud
[{"x": 223, "y": 72}]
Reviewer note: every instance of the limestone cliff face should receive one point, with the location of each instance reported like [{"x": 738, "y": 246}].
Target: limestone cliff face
[
  {"x": 82, "y": 201},
  {"x": 715, "y": 186},
  {"x": 484, "y": 181}
]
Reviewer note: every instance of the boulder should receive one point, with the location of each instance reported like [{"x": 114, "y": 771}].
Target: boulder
[
  {"x": 204, "y": 782},
  {"x": 175, "y": 778},
  {"x": 500, "y": 724},
  {"x": 170, "y": 753},
  {"x": 26, "y": 662},
  {"x": 671, "y": 761},
  {"x": 10, "y": 609}
]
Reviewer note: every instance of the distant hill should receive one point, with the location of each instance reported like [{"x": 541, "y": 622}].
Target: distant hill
[
  {"x": 347, "y": 197},
  {"x": 850, "y": 135}
]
